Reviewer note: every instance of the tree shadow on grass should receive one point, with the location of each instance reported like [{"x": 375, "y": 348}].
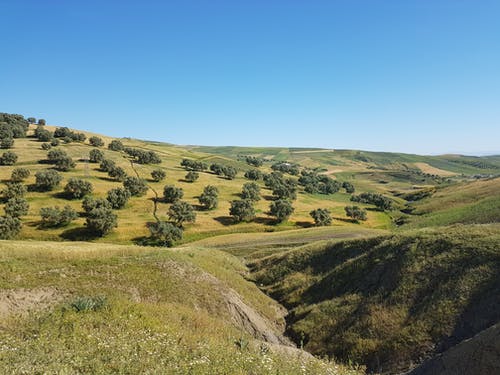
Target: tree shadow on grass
[
  {"x": 269, "y": 197},
  {"x": 225, "y": 220},
  {"x": 265, "y": 221},
  {"x": 79, "y": 234},
  {"x": 107, "y": 179},
  {"x": 304, "y": 224}
]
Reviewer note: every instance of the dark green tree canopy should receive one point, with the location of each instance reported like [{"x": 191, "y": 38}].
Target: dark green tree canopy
[
  {"x": 321, "y": 217},
  {"x": 77, "y": 188},
  {"x": 16, "y": 207},
  {"x": 47, "y": 180},
  {"x": 54, "y": 217},
  {"x": 355, "y": 212},
  {"x": 242, "y": 210},
  {"x": 181, "y": 212},
  {"x": 158, "y": 175},
  {"x": 281, "y": 209},
  {"x": 172, "y": 193},
  {"x": 136, "y": 186},
  {"x": 118, "y": 197},
  {"x": 101, "y": 221},
  {"x": 164, "y": 233},
  {"x": 251, "y": 191}
]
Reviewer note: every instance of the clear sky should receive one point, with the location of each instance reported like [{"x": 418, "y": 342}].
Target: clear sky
[{"x": 420, "y": 76}]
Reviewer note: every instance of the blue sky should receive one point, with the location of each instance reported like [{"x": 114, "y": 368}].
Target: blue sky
[{"x": 411, "y": 76}]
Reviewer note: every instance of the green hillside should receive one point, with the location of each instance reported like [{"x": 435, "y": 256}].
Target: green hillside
[
  {"x": 99, "y": 308},
  {"x": 388, "y": 301}
]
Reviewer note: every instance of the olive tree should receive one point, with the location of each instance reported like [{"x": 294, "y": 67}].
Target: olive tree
[
  {"x": 77, "y": 188},
  {"x": 16, "y": 207},
  {"x": 281, "y": 209},
  {"x": 101, "y": 221},
  {"x": 251, "y": 191},
  {"x": 19, "y": 174},
  {"x": 136, "y": 186},
  {"x": 321, "y": 217},
  {"x": 9, "y": 227},
  {"x": 164, "y": 233},
  {"x": 209, "y": 199},
  {"x": 96, "y": 141},
  {"x": 172, "y": 193},
  {"x": 181, "y": 212},
  {"x": 158, "y": 175},
  {"x": 356, "y": 213},
  {"x": 47, "y": 180},
  {"x": 118, "y": 197},
  {"x": 242, "y": 210},
  {"x": 96, "y": 156},
  {"x": 54, "y": 217}
]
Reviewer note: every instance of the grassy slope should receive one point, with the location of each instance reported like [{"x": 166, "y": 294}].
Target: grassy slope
[
  {"x": 165, "y": 313},
  {"x": 388, "y": 301},
  {"x": 137, "y": 213},
  {"x": 475, "y": 202}
]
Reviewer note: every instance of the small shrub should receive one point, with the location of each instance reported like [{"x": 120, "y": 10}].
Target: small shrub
[
  {"x": 87, "y": 304},
  {"x": 46, "y": 146}
]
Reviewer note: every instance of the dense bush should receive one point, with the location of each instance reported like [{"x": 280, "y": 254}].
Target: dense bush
[
  {"x": 118, "y": 197},
  {"x": 77, "y": 188},
  {"x": 164, "y": 233},
  {"x": 192, "y": 176},
  {"x": 118, "y": 173},
  {"x": 250, "y": 191},
  {"x": 242, "y": 210},
  {"x": 14, "y": 190},
  {"x": 96, "y": 156},
  {"x": 172, "y": 193},
  {"x": 116, "y": 145},
  {"x": 9, "y": 227},
  {"x": 54, "y": 142},
  {"x": 321, "y": 217},
  {"x": 158, "y": 175},
  {"x": 253, "y": 174},
  {"x": 96, "y": 141},
  {"x": 19, "y": 174},
  {"x": 281, "y": 209},
  {"x": 209, "y": 199},
  {"x": 43, "y": 135},
  {"x": 8, "y": 158},
  {"x": 381, "y": 202},
  {"x": 61, "y": 160},
  {"x": 355, "y": 212},
  {"x": 56, "y": 217},
  {"x": 136, "y": 186},
  {"x": 46, "y": 146},
  {"x": 90, "y": 203},
  {"x": 16, "y": 207},
  {"x": 47, "y": 180},
  {"x": 31, "y": 120},
  {"x": 101, "y": 220},
  {"x": 181, "y": 212},
  {"x": 41, "y": 122}
]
